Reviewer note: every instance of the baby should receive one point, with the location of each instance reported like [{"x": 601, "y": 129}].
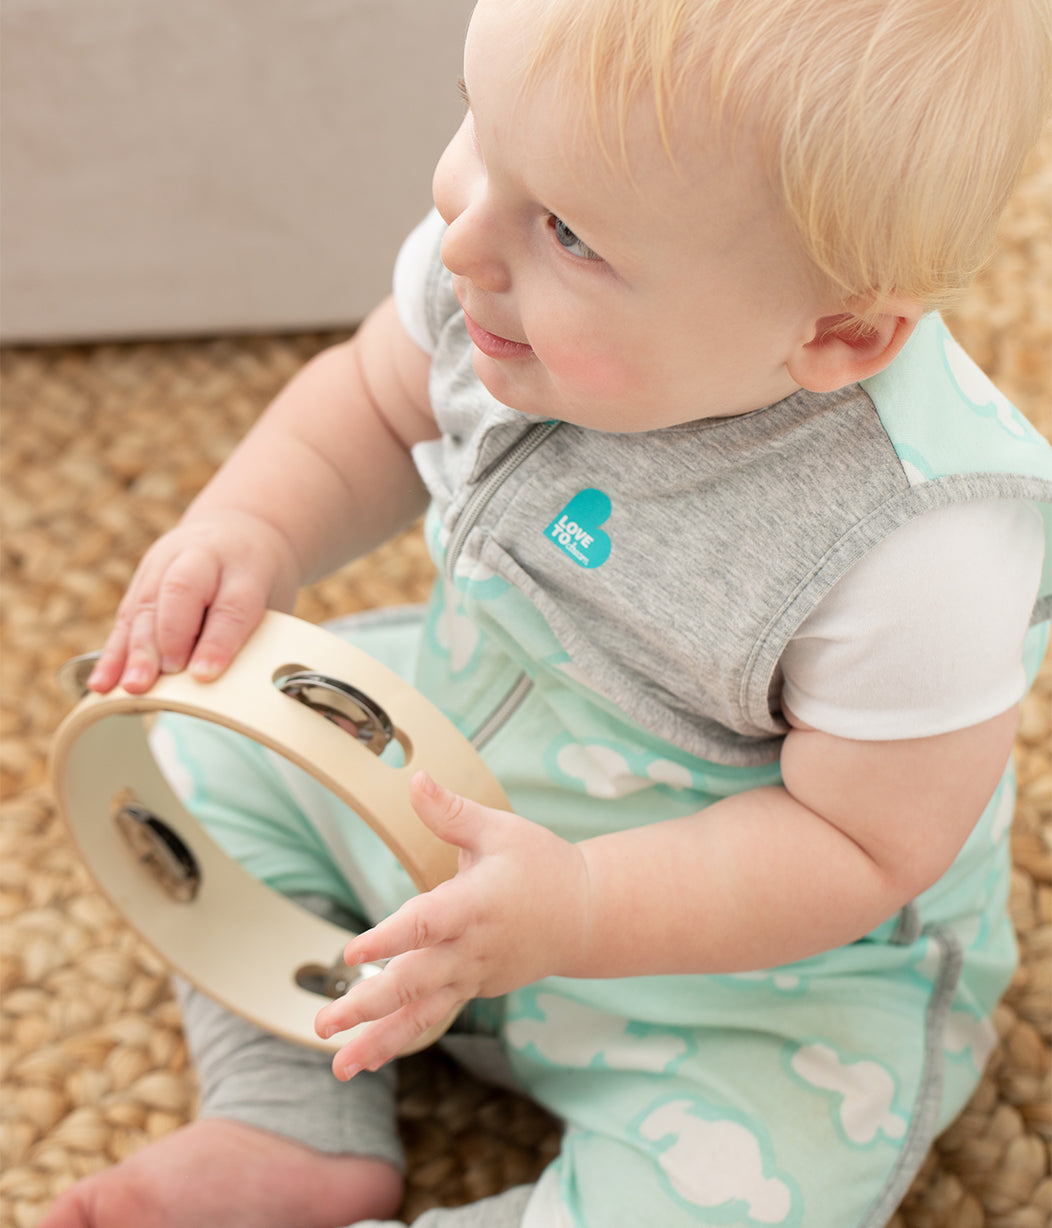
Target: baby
[{"x": 742, "y": 578}]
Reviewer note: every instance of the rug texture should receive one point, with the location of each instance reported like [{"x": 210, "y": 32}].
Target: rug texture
[{"x": 102, "y": 447}]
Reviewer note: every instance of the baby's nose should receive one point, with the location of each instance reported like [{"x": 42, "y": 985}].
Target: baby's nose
[{"x": 473, "y": 248}]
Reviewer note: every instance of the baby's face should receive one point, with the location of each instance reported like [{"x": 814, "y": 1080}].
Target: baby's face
[{"x": 619, "y": 297}]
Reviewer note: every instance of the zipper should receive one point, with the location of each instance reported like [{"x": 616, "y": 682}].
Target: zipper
[
  {"x": 488, "y": 487},
  {"x": 466, "y": 521},
  {"x": 503, "y": 712}
]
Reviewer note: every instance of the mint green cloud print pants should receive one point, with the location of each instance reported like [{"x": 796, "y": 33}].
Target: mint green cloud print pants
[{"x": 804, "y": 1096}]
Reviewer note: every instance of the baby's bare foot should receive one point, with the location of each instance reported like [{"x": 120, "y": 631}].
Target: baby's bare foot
[{"x": 221, "y": 1174}]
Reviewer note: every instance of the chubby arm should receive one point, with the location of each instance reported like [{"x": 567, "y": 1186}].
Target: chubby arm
[
  {"x": 777, "y": 874},
  {"x": 324, "y": 475},
  {"x": 759, "y": 879}
]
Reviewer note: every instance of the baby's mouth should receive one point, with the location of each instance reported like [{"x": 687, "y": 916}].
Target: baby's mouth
[{"x": 493, "y": 346}]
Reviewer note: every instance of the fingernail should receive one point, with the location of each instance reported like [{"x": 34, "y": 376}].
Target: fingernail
[
  {"x": 427, "y": 785},
  {"x": 169, "y": 665},
  {"x": 204, "y": 671},
  {"x": 347, "y": 1071}
]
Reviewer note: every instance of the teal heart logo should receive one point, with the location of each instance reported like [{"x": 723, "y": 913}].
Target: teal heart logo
[{"x": 577, "y": 529}]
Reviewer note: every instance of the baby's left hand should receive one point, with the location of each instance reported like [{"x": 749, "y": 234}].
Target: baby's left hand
[{"x": 514, "y": 912}]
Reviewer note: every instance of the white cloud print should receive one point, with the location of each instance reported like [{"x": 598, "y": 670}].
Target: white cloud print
[
  {"x": 666, "y": 772},
  {"x": 784, "y": 982},
  {"x": 474, "y": 569},
  {"x": 866, "y": 1090},
  {"x": 716, "y": 1163},
  {"x": 966, "y": 1034},
  {"x": 979, "y": 390},
  {"x": 603, "y": 772},
  {"x": 457, "y": 635},
  {"x": 574, "y": 1035}
]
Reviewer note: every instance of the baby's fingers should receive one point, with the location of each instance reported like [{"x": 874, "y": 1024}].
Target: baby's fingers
[
  {"x": 201, "y": 617},
  {"x": 126, "y": 656},
  {"x": 188, "y": 586},
  {"x": 424, "y": 921},
  {"x": 143, "y": 663},
  {"x": 108, "y": 668},
  {"x": 408, "y": 980},
  {"x": 167, "y": 607},
  {"x": 376, "y": 1044},
  {"x": 385, "y": 1029},
  {"x": 228, "y": 622}
]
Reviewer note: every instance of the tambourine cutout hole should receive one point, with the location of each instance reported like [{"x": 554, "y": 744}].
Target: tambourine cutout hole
[
  {"x": 335, "y": 980},
  {"x": 354, "y": 711},
  {"x": 286, "y": 671},
  {"x": 156, "y": 846},
  {"x": 313, "y": 977},
  {"x": 399, "y": 751}
]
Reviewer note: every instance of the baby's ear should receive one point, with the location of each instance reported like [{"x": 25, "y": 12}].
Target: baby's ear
[{"x": 846, "y": 347}]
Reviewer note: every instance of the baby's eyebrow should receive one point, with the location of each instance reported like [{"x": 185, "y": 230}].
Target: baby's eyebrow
[{"x": 462, "y": 90}]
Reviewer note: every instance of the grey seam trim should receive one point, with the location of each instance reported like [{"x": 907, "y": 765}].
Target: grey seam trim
[
  {"x": 929, "y": 1092},
  {"x": 908, "y": 929},
  {"x": 496, "y": 719}
]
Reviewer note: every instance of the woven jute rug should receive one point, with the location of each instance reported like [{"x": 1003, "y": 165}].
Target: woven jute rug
[{"x": 103, "y": 446}]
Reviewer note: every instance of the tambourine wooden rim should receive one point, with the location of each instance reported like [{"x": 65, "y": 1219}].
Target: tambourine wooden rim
[{"x": 236, "y": 940}]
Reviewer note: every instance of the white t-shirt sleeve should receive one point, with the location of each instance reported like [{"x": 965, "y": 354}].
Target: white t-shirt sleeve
[
  {"x": 925, "y": 634},
  {"x": 411, "y": 269}
]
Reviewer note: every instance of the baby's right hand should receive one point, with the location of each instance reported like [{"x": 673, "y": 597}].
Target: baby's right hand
[{"x": 196, "y": 596}]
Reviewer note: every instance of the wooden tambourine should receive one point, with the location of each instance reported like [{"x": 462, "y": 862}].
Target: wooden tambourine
[{"x": 325, "y": 706}]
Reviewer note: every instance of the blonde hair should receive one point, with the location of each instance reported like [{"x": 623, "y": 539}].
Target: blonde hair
[{"x": 893, "y": 131}]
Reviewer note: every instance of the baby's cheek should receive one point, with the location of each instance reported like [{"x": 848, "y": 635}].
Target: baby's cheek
[{"x": 602, "y": 371}]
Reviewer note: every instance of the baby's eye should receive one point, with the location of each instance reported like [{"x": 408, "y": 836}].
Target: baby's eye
[{"x": 566, "y": 238}]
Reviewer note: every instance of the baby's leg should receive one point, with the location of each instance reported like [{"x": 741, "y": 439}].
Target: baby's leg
[
  {"x": 221, "y": 1174},
  {"x": 805, "y": 1097},
  {"x": 279, "y": 1142}
]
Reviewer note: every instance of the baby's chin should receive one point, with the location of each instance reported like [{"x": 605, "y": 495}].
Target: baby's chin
[{"x": 528, "y": 386}]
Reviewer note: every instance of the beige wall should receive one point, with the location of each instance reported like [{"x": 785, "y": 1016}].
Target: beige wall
[{"x": 199, "y": 166}]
